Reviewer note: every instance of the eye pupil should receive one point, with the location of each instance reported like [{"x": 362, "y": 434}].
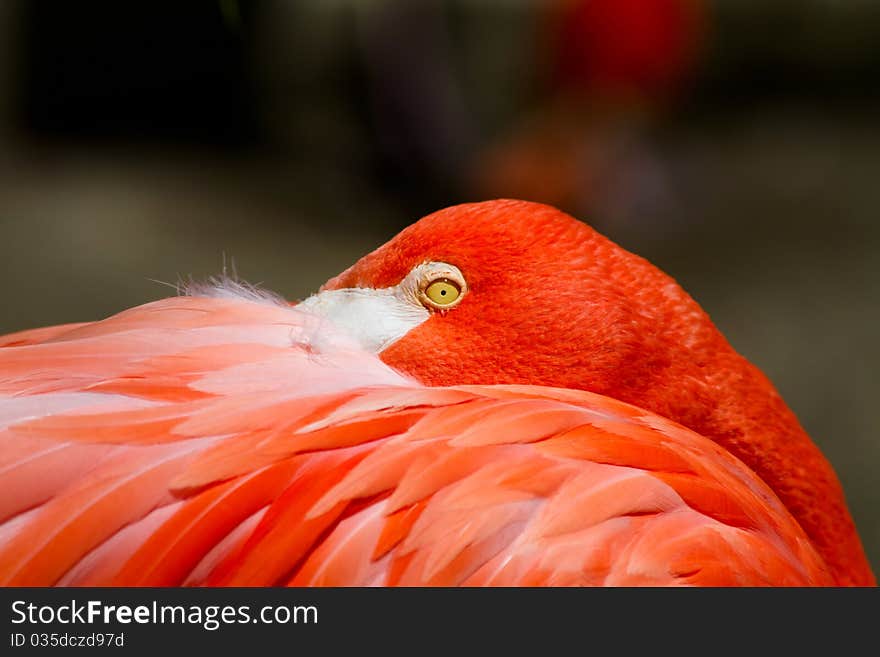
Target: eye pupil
[{"x": 442, "y": 292}]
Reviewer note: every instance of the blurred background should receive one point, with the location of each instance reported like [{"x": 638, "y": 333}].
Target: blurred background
[{"x": 734, "y": 143}]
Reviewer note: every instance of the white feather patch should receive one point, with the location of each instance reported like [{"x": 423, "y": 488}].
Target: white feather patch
[
  {"x": 224, "y": 286},
  {"x": 374, "y": 318},
  {"x": 365, "y": 318}
]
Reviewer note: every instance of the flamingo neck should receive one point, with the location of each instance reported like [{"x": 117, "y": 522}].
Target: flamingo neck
[{"x": 744, "y": 413}]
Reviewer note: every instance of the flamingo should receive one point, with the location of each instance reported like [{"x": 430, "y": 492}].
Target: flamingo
[{"x": 497, "y": 396}]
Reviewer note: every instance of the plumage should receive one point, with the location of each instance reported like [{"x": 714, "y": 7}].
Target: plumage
[{"x": 233, "y": 439}]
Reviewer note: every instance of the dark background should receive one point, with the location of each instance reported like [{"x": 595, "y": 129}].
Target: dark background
[{"x": 146, "y": 141}]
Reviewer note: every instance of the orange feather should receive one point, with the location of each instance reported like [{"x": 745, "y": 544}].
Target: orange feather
[{"x": 381, "y": 482}]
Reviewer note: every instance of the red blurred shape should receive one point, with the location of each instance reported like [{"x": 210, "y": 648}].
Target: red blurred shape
[{"x": 642, "y": 46}]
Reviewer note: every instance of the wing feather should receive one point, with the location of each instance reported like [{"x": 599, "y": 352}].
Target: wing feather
[{"x": 197, "y": 441}]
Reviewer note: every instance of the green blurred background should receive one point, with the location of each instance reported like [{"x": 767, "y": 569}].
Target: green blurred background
[{"x": 737, "y": 146}]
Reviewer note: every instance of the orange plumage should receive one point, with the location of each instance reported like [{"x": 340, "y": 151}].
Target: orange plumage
[{"x": 575, "y": 420}]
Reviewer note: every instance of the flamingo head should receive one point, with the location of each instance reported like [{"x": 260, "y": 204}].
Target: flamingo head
[{"x": 518, "y": 293}]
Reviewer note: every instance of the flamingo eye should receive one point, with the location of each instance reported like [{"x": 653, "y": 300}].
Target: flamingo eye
[
  {"x": 442, "y": 292},
  {"x": 438, "y": 285}
]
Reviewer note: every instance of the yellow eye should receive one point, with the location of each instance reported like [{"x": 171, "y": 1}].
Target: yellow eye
[
  {"x": 442, "y": 292},
  {"x": 436, "y": 286}
]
